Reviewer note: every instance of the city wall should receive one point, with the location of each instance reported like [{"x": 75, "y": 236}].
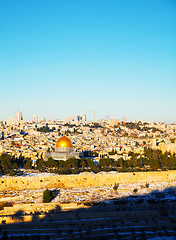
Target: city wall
[{"x": 83, "y": 180}]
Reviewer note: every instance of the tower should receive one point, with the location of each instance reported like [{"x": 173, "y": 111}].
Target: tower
[
  {"x": 18, "y": 117},
  {"x": 35, "y": 118}
]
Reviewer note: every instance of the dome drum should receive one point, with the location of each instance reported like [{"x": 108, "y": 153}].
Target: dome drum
[{"x": 64, "y": 149}]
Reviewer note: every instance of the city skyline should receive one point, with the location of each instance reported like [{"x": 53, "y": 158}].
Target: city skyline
[
  {"x": 17, "y": 118},
  {"x": 60, "y": 59}
]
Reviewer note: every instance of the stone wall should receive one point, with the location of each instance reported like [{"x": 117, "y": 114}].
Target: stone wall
[{"x": 83, "y": 180}]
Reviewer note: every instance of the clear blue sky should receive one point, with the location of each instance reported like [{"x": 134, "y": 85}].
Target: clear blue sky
[{"x": 63, "y": 57}]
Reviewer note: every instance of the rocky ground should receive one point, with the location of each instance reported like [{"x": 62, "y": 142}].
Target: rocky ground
[
  {"x": 162, "y": 190},
  {"x": 133, "y": 211}
]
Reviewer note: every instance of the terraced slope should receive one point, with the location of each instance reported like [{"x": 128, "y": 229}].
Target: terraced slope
[{"x": 120, "y": 220}]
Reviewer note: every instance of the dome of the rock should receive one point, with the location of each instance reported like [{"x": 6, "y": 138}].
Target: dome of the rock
[{"x": 63, "y": 149}]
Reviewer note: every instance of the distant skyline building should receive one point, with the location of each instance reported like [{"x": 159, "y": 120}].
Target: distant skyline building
[
  {"x": 18, "y": 117},
  {"x": 77, "y": 119},
  {"x": 10, "y": 120},
  {"x": 35, "y": 118}
]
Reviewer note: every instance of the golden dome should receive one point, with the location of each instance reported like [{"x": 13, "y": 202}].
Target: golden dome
[{"x": 64, "y": 142}]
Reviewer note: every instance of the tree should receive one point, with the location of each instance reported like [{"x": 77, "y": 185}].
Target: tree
[
  {"x": 6, "y": 161},
  {"x": 47, "y": 196},
  {"x": 41, "y": 164},
  {"x": 48, "y": 150},
  {"x": 28, "y": 164},
  {"x": 106, "y": 162},
  {"x": 51, "y": 163},
  {"x": 116, "y": 186},
  {"x": 135, "y": 190},
  {"x": 113, "y": 152},
  {"x": 134, "y": 159},
  {"x": 120, "y": 162},
  {"x": 154, "y": 163}
]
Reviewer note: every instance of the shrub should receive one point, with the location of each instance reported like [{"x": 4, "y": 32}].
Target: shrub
[
  {"x": 135, "y": 190},
  {"x": 116, "y": 186}
]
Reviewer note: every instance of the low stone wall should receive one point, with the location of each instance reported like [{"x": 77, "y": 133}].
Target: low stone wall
[{"x": 83, "y": 180}]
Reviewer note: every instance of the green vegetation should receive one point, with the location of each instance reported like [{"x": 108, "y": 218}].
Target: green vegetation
[
  {"x": 141, "y": 127},
  {"x": 116, "y": 186},
  {"x": 96, "y": 125},
  {"x": 135, "y": 190},
  {"x": 27, "y": 163},
  {"x": 10, "y": 164},
  {"x": 71, "y": 165},
  {"x": 172, "y": 140},
  {"x": 45, "y": 129},
  {"x": 48, "y": 196},
  {"x": 113, "y": 152},
  {"x": 150, "y": 160}
]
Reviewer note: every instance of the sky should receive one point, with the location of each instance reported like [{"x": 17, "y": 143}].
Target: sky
[{"x": 62, "y": 57}]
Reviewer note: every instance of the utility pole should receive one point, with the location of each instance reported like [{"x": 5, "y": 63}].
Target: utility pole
[{"x": 94, "y": 114}]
